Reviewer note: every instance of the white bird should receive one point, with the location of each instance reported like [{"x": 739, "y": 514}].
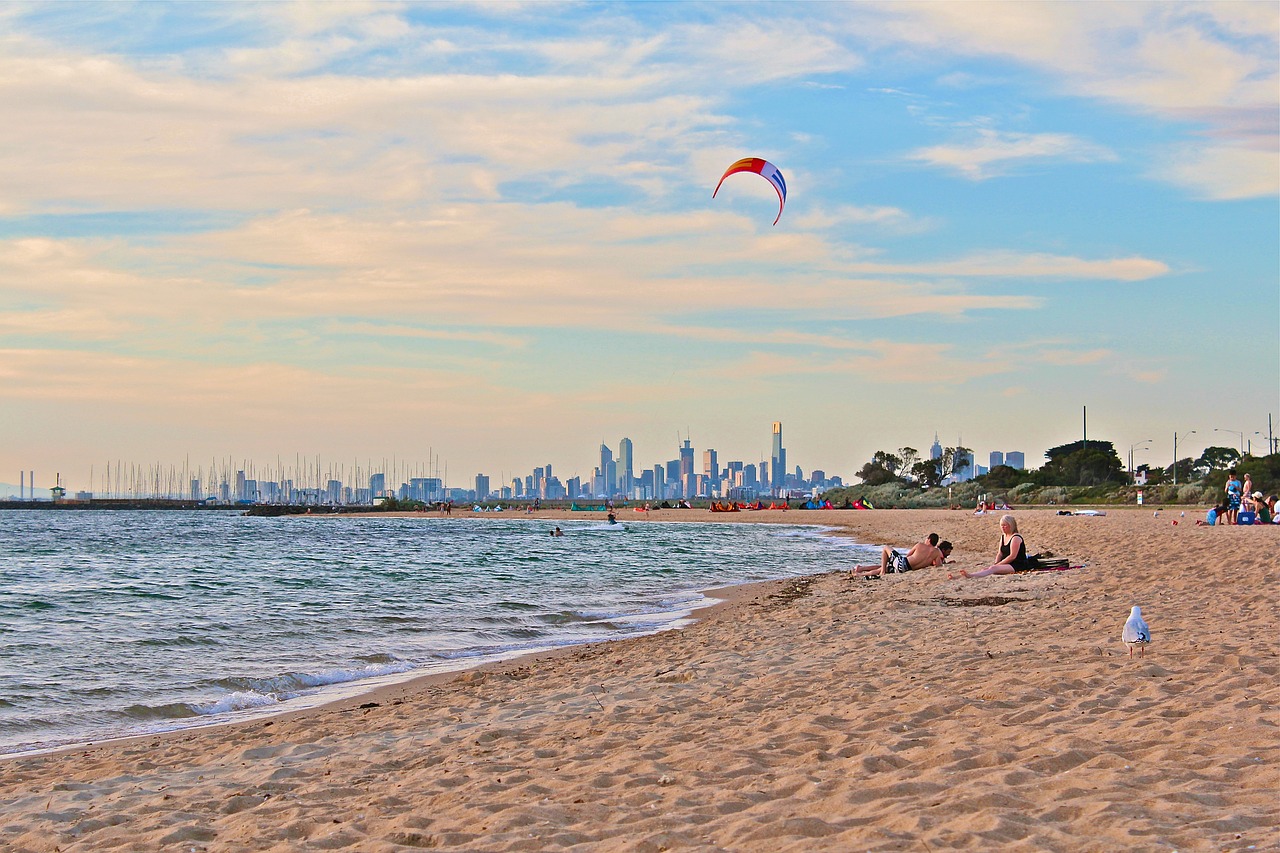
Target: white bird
[{"x": 1136, "y": 632}]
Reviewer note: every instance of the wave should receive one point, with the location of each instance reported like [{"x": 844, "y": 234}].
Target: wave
[
  {"x": 182, "y": 640},
  {"x": 290, "y": 684}
]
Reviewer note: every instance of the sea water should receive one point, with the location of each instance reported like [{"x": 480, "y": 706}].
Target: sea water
[{"x": 118, "y": 622}]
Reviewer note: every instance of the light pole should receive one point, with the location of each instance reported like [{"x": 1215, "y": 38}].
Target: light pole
[
  {"x": 1239, "y": 433},
  {"x": 1131, "y": 448},
  {"x": 1176, "y": 437}
]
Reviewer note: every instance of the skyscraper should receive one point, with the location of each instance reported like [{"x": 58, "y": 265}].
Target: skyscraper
[
  {"x": 935, "y": 452},
  {"x": 711, "y": 467},
  {"x": 482, "y": 487},
  {"x": 1015, "y": 459},
  {"x": 688, "y": 477},
  {"x": 778, "y": 460},
  {"x": 997, "y": 459},
  {"x": 608, "y": 472},
  {"x": 626, "y": 474}
]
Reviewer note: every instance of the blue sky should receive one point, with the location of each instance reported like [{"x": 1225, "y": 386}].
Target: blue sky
[{"x": 486, "y": 231}]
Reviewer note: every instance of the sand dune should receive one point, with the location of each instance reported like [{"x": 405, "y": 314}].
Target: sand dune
[{"x": 824, "y": 713}]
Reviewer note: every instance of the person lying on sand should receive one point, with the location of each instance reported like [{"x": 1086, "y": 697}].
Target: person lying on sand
[
  {"x": 1012, "y": 556},
  {"x": 927, "y": 553}
]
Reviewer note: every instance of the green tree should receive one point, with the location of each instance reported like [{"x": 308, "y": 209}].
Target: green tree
[
  {"x": 910, "y": 456},
  {"x": 1185, "y": 471},
  {"x": 927, "y": 472},
  {"x": 1155, "y": 476},
  {"x": 1004, "y": 477},
  {"x": 873, "y": 474},
  {"x": 883, "y": 468},
  {"x": 1217, "y": 458},
  {"x": 1082, "y": 464}
]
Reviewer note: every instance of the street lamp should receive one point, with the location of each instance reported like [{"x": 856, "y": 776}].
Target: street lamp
[
  {"x": 1237, "y": 433},
  {"x": 1176, "y": 437},
  {"x": 1240, "y": 434},
  {"x": 1131, "y": 448}
]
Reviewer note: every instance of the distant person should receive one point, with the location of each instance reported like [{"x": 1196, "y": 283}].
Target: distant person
[
  {"x": 1012, "y": 556},
  {"x": 613, "y": 519},
  {"x": 922, "y": 555},
  {"x": 1235, "y": 494},
  {"x": 557, "y": 532},
  {"x": 1261, "y": 509},
  {"x": 1212, "y": 517},
  {"x": 1269, "y": 506}
]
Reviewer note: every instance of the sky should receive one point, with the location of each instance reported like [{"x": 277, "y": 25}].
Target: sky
[{"x": 484, "y": 234}]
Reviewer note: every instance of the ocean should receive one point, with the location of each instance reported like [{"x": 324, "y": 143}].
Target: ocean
[{"x": 116, "y": 623}]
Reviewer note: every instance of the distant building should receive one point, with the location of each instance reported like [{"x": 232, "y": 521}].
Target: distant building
[
  {"x": 778, "y": 460},
  {"x": 688, "y": 476},
  {"x": 644, "y": 485},
  {"x": 626, "y": 471},
  {"x": 997, "y": 459},
  {"x": 935, "y": 452},
  {"x": 711, "y": 469},
  {"x": 1015, "y": 459},
  {"x": 482, "y": 487}
]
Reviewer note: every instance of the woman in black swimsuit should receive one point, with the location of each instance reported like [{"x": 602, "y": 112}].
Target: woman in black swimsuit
[{"x": 1013, "y": 552}]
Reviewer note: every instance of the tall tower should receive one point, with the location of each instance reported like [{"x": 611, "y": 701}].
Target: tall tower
[
  {"x": 626, "y": 474},
  {"x": 778, "y": 460},
  {"x": 935, "y": 452},
  {"x": 711, "y": 468},
  {"x": 688, "y": 476}
]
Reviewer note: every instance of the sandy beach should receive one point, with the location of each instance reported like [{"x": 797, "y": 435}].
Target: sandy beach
[{"x": 822, "y": 713}]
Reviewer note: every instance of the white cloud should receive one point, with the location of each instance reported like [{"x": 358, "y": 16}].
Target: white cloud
[
  {"x": 1026, "y": 265},
  {"x": 993, "y": 153},
  {"x": 1211, "y": 64},
  {"x": 1222, "y": 172}
]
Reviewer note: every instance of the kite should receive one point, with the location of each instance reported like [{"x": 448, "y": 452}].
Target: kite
[{"x": 764, "y": 169}]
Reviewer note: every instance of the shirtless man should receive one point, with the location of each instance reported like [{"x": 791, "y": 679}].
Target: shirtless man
[{"x": 923, "y": 554}]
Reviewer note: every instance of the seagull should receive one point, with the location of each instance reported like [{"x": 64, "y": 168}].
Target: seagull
[{"x": 1136, "y": 632}]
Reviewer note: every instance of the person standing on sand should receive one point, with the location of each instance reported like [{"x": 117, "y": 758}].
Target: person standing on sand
[
  {"x": 1235, "y": 492},
  {"x": 922, "y": 554},
  {"x": 1012, "y": 556}
]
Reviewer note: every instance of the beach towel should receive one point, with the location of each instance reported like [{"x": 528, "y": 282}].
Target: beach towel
[{"x": 1038, "y": 563}]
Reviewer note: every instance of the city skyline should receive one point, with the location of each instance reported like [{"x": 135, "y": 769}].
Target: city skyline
[
  {"x": 316, "y": 470},
  {"x": 484, "y": 232}
]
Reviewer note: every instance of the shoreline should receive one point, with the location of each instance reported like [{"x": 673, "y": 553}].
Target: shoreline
[
  {"x": 358, "y": 691},
  {"x": 391, "y": 684},
  {"x": 810, "y": 712}
]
